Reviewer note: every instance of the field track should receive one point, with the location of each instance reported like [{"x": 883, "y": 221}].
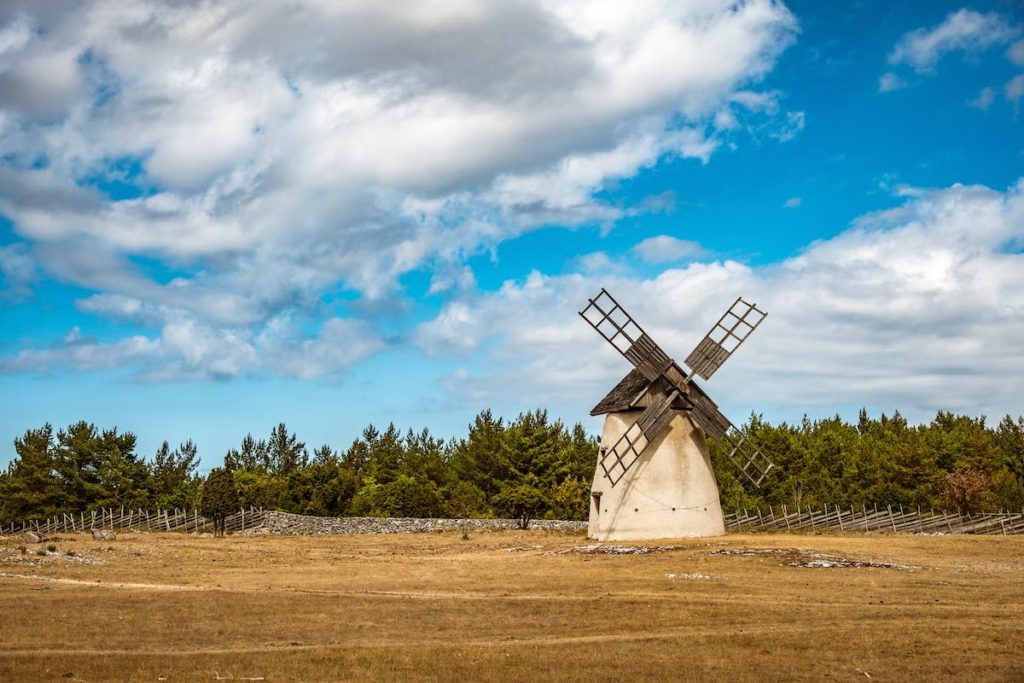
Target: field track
[{"x": 513, "y": 606}]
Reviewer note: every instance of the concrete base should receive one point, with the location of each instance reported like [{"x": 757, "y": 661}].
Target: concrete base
[{"x": 670, "y": 492}]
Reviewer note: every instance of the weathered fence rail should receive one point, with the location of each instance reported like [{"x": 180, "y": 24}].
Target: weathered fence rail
[
  {"x": 868, "y": 519},
  {"x": 137, "y": 520},
  {"x": 802, "y": 519}
]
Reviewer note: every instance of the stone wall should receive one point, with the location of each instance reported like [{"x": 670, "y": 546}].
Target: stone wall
[{"x": 285, "y": 523}]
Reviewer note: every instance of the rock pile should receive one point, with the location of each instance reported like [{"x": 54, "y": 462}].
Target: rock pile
[{"x": 287, "y": 524}]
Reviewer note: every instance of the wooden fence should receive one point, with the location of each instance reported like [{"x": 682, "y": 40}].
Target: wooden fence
[
  {"x": 867, "y": 519},
  {"x": 136, "y": 520},
  {"x": 853, "y": 519}
]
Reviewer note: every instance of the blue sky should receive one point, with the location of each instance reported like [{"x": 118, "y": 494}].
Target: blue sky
[{"x": 216, "y": 217}]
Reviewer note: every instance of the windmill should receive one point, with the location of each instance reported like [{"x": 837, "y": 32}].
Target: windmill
[{"x": 653, "y": 477}]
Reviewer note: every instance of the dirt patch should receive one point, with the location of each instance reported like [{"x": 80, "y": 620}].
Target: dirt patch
[
  {"x": 690, "y": 577},
  {"x": 811, "y": 559},
  {"x": 600, "y": 549},
  {"x": 34, "y": 557}
]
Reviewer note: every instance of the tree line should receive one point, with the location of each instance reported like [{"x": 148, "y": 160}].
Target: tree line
[
  {"x": 528, "y": 467},
  {"x": 955, "y": 462}
]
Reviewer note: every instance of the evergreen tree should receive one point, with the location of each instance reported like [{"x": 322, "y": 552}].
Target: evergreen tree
[
  {"x": 219, "y": 498},
  {"x": 482, "y": 459},
  {"x": 286, "y": 453},
  {"x": 30, "y": 488},
  {"x": 173, "y": 476}
]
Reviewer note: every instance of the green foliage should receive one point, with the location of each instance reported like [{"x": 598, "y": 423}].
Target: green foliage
[
  {"x": 952, "y": 462},
  {"x": 527, "y": 467},
  {"x": 30, "y": 486},
  {"x": 218, "y": 497},
  {"x": 173, "y": 481},
  {"x": 569, "y": 500},
  {"x": 522, "y": 501}
]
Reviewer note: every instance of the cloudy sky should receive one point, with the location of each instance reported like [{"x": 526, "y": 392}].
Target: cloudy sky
[{"x": 215, "y": 216}]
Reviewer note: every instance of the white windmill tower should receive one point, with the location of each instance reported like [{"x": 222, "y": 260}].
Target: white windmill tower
[{"x": 653, "y": 477}]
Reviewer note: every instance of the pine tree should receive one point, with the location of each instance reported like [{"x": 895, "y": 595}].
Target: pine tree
[
  {"x": 219, "y": 498},
  {"x": 30, "y": 488}
]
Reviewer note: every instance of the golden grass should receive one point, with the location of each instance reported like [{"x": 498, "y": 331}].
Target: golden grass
[{"x": 432, "y": 606}]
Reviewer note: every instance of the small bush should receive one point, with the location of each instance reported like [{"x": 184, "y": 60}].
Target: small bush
[
  {"x": 40, "y": 551},
  {"x": 52, "y": 548},
  {"x": 22, "y": 549}
]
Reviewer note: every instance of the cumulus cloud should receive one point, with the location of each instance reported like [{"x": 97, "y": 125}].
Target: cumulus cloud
[
  {"x": 962, "y": 31},
  {"x": 273, "y": 152},
  {"x": 598, "y": 262},
  {"x": 984, "y": 99},
  {"x": 17, "y": 271},
  {"x": 189, "y": 349},
  {"x": 666, "y": 249},
  {"x": 889, "y": 81},
  {"x": 915, "y": 308},
  {"x": 792, "y": 203},
  {"x": 794, "y": 123},
  {"x": 1014, "y": 90},
  {"x": 1015, "y": 53}
]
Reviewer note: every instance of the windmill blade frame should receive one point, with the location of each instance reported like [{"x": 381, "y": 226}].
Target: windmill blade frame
[
  {"x": 610, "y": 319},
  {"x": 606, "y": 315},
  {"x": 748, "y": 458},
  {"x": 737, "y": 323}
]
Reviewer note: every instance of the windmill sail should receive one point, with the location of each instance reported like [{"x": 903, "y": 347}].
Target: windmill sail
[
  {"x": 754, "y": 464},
  {"x": 617, "y": 460},
  {"x": 669, "y": 383},
  {"x": 724, "y": 337},
  {"x": 748, "y": 459},
  {"x": 619, "y": 329}
]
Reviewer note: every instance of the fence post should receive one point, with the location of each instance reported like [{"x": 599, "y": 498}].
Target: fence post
[{"x": 891, "y": 520}]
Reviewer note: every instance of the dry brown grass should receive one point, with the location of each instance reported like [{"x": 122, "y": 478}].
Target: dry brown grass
[{"x": 432, "y": 606}]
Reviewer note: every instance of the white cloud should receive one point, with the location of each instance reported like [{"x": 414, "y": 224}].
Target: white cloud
[
  {"x": 666, "y": 249},
  {"x": 17, "y": 271},
  {"x": 339, "y": 344},
  {"x": 962, "y": 31},
  {"x": 597, "y": 263},
  {"x": 1014, "y": 90},
  {"x": 890, "y": 81},
  {"x": 792, "y": 203},
  {"x": 916, "y": 308},
  {"x": 984, "y": 99},
  {"x": 190, "y": 350},
  {"x": 287, "y": 150},
  {"x": 1015, "y": 53},
  {"x": 794, "y": 123}
]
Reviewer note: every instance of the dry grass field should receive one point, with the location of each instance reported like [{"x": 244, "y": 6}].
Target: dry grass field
[{"x": 434, "y": 606}]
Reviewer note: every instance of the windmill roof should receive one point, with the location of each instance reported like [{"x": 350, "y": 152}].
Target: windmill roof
[{"x": 622, "y": 395}]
